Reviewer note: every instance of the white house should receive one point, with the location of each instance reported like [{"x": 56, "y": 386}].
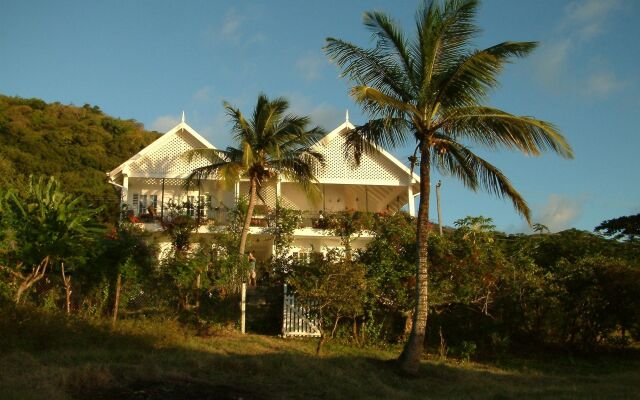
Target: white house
[{"x": 156, "y": 175}]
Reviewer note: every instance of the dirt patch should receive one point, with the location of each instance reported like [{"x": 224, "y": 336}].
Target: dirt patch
[{"x": 170, "y": 389}]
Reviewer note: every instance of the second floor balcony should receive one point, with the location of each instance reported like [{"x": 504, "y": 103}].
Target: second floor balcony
[{"x": 308, "y": 223}]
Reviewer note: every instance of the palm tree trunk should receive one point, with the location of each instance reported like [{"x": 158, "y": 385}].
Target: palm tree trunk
[
  {"x": 409, "y": 360},
  {"x": 247, "y": 220}
]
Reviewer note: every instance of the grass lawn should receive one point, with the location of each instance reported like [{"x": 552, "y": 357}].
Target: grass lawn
[{"x": 44, "y": 356}]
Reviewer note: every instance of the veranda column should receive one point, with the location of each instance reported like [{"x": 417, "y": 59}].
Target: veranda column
[
  {"x": 124, "y": 194},
  {"x": 412, "y": 205},
  {"x": 274, "y": 248}
]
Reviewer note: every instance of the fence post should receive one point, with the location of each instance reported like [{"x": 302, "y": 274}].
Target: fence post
[
  {"x": 243, "y": 307},
  {"x": 284, "y": 312}
]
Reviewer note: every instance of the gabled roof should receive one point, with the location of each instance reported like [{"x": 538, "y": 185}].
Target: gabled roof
[
  {"x": 162, "y": 159},
  {"x": 337, "y": 133},
  {"x": 181, "y": 128}
]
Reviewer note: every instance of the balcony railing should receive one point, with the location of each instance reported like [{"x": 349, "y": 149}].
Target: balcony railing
[{"x": 220, "y": 216}]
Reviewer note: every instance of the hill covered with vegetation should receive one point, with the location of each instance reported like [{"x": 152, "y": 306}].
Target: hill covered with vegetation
[{"x": 77, "y": 145}]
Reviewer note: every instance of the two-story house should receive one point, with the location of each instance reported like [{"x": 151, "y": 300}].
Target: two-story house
[{"x": 156, "y": 176}]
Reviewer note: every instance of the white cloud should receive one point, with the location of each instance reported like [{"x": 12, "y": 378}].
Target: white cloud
[
  {"x": 603, "y": 83},
  {"x": 552, "y": 61},
  {"x": 582, "y": 21},
  {"x": 588, "y": 18},
  {"x": 310, "y": 66},
  {"x": 202, "y": 94},
  {"x": 235, "y": 29},
  {"x": 559, "y": 213},
  {"x": 164, "y": 123},
  {"x": 323, "y": 115},
  {"x": 231, "y": 23}
]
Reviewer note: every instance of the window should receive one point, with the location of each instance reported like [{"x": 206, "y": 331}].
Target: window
[
  {"x": 302, "y": 257},
  {"x": 142, "y": 205},
  {"x": 202, "y": 206},
  {"x": 190, "y": 205},
  {"x": 135, "y": 201}
]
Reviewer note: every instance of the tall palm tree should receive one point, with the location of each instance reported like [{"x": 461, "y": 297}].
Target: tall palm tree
[
  {"x": 269, "y": 144},
  {"x": 432, "y": 88}
]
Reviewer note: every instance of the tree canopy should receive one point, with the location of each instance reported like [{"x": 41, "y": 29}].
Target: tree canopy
[
  {"x": 431, "y": 88},
  {"x": 77, "y": 145},
  {"x": 627, "y": 227}
]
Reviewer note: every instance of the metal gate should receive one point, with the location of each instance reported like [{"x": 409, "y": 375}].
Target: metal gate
[{"x": 300, "y": 318}]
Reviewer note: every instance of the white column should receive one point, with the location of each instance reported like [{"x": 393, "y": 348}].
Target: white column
[
  {"x": 124, "y": 193},
  {"x": 410, "y": 199},
  {"x": 243, "y": 308},
  {"x": 236, "y": 191},
  {"x": 278, "y": 189}
]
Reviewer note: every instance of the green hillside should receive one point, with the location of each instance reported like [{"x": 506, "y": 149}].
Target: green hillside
[{"x": 75, "y": 144}]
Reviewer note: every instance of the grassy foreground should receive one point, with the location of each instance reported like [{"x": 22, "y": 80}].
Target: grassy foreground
[{"x": 44, "y": 356}]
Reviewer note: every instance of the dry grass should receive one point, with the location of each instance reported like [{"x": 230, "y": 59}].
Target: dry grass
[{"x": 49, "y": 357}]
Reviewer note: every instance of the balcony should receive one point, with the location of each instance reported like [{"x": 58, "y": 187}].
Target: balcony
[{"x": 311, "y": 223}]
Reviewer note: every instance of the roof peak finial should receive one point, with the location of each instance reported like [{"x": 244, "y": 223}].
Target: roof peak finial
[
  {"x": 182, "y": 116},
  {"x": 347, "y": 116}
]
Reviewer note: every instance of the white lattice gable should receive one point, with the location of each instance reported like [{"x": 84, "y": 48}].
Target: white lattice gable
[
  {"x": 163, "y": 157},
  {"x": 377, "y": 168}
]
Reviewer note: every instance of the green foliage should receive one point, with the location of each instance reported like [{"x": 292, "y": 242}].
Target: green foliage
[
  {"x": 282, "y": 222},
  {"x": 272, "y": 143},
  {"x": 349, "y": 225},
  {"x": 180, "y": 228},
  {"x": 574, "y": 244},
  {"x": 129, "y": 251},
  {"x": 502, "y": 291},
  {"x": 74, "y": 144},
  {"x": 627, "y": 227},
  {"x": 46, "y": 222},
  {"x": 390, "y": 264},
  {"x": 598, "y": 295},
  {"x": 336, "y": 284},
  {"x": 431, "y": 89},
  {"x": 43, "y": 228}
]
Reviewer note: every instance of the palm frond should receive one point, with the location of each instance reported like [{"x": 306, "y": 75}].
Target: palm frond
[
  {"x": 468, "y": 81},
  {"x": 377, "y": 103},
  {"x": 443, "y": 36},
  {"x": 454, "y": 159},
  {"x": 492, "y": 128},
  {"x": 383, "y": 132},
  {"x": 368, "y": 67},
  {"x": 391, "y": 40}
]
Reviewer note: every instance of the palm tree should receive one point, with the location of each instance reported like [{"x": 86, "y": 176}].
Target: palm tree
[
  {"x": 269, "y": 144},
  {"x": 432, "y": 88}
]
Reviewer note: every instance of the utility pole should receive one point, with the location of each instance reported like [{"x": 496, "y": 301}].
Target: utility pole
[{"x": 438, "y": 202}]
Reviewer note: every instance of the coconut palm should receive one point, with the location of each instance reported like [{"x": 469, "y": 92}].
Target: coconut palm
[
  {"x": 431, "y": 88},
  {"x": 269, "y": 144}
]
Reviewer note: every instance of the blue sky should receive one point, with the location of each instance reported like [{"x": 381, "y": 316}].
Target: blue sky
[{"x": 149, "y": 60}]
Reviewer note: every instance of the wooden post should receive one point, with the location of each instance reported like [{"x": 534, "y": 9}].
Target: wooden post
[
  {"x": 410, "y": 201},
  {"x": 366, "y": 198},
  {"x": 117, "y": 300},
  {"x": 243, "y": 307},
  {"x": 284, "y": 310},
  {"x": 124, "y": 194},
  {"x": 438, "y": 203},
  {"x": 67, "y": 288},
  {"x": 162, "y": 202}
]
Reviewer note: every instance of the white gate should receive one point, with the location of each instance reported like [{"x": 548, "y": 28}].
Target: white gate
[{"x": 299, "y": 318}]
